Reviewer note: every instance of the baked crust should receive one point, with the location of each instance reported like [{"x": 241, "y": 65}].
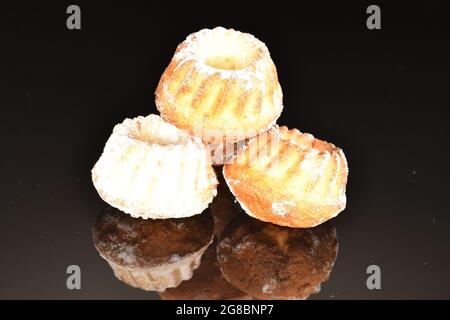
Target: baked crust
[
  {"x": 289, "y": 178},
  {"x": 220, "y": 83},
  {"x": 273, "y": 262},
  {"x": 151, "y": 169}
]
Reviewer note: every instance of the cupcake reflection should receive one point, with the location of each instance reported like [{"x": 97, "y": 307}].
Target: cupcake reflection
[
  {"x": 273, "y": 262},
  {"x": 224, "y": 207},
  {"x": 207, "y": 283},
  {"x": 152, "y": 254}
]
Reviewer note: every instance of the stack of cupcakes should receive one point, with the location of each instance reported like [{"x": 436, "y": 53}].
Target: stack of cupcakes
[{"x": 219, "y": 100}]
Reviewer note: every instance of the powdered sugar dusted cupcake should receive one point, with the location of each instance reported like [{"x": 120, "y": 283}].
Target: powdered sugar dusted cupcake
[
  {"x": 152, "y": 254},
  {"x": 289, "y": 178},
  {"x": 151, "y": 169},
  {"x": 220, "y": 83}
]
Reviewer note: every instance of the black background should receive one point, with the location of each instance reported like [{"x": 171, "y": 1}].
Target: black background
[{"x": 382, "y": 96}]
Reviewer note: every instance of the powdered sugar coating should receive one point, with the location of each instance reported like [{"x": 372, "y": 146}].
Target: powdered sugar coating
[
  {"x": 221, "y": 80},
  {"x": 147, "y": 162}
]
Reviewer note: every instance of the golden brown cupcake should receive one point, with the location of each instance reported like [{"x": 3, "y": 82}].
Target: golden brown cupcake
[
  {"x": 220, "y": 83},
  {"x": 289, "y": 178},
  {"x": 151, "y": 169},
  {"x": 152, "y": 254},
  {"x": 273, "y": 262},
  {"x": 207, "y": 283}
]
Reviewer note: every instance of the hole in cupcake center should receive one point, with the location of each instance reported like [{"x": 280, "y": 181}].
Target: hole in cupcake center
[
  {"x": 226, "y": 63},
  {"x": 149, "y": 138},
  {"x": 227, "y": 54},
  {"x": 157, "y": 132}
]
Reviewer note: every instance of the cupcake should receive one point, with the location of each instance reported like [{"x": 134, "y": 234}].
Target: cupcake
[
  {"x": 220, "y": 83},
  {"x": 151, "y": 169},
  {"x": 289, "y": 178}
]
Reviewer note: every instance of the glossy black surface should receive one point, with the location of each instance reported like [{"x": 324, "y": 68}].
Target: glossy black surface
[{"x": 382, "y": 96}]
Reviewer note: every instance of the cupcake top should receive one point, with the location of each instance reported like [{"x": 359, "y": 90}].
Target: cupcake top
[
  {"x": 135, "y": 242},
  {"x": 273, "y": 262}
]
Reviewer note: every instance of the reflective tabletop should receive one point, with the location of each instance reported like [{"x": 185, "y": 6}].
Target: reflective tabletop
[{"x": 380, "y": 95}]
